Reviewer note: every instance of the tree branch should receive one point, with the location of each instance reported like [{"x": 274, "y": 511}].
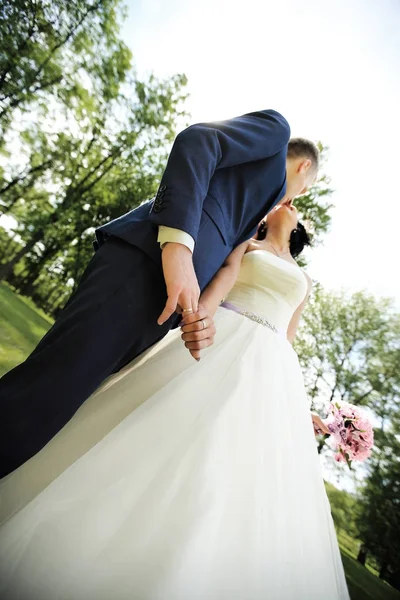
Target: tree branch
[
  {"x": 14, "y": 103},
  {"x": 21, "y": 177}
]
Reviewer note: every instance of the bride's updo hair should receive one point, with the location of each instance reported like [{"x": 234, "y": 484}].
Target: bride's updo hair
[{"x": 298, "y": 238}]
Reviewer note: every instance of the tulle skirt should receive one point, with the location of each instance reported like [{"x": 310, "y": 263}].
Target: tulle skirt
[{"x": 179, "y": 480}]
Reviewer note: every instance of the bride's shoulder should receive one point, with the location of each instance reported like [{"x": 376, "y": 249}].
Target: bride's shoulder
[{"x": 254, "y": 245}]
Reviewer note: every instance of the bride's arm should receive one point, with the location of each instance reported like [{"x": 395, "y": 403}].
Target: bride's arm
[
  {"x": 224, "y": 280},
  {"x": 294, "y": 323}
]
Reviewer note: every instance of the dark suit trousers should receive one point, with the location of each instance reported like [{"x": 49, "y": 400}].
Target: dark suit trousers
[{"x": 109, "y": 320}]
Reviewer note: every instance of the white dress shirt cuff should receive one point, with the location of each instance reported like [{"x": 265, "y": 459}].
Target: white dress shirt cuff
[{"x": 170, "y": 234}]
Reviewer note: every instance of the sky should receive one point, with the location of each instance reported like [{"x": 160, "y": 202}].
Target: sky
[{"x": 332, "y": 69}]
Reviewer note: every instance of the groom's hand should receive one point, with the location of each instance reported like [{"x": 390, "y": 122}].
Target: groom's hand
[
  {"x": 182, "y": 287},
  {"x": 198, "y": 331}
]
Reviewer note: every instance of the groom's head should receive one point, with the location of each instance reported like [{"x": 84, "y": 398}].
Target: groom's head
[{"x": 301, "y": 166}]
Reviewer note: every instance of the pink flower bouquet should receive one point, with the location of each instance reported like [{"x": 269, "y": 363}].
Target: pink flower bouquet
[{"x": 351, "y": 432}]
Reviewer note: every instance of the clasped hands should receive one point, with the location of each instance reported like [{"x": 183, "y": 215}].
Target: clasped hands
[{"x": 197, "y": 326}]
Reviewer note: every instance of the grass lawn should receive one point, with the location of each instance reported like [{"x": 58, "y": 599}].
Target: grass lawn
[
  {"x": 363, "y": 585},
  {"x": 21, "y": 327},
  {"x": 363, "y": 582}
]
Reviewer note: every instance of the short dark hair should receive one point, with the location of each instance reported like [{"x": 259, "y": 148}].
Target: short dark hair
[
  {"x": 298, "y": 238},
  {"x": 300, "y": 147}
]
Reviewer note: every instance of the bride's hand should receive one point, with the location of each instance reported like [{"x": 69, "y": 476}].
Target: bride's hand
[
  {"x": 319, "y": 426},
  {"x": 198, "y": 331}
]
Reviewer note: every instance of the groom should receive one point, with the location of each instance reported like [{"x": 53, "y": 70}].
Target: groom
[{"x": 221, "y": 179}]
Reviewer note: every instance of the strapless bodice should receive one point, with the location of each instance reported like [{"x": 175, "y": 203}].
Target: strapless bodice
[{"x": 269, "y": 286}]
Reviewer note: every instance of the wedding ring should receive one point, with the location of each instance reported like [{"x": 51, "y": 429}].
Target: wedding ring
[
  {"x": 187, "y": 310},
  {"x": 204, "y": 325}
]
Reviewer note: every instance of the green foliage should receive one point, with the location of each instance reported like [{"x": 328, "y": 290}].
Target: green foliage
[
  {"x": 315, "y": 205},
  {"x": 47, "y": 47},
  {"x": 378, "y": 521},
  {"x": 94, "y": 149},
  {"x": 344, "y": 509},
  {"x": 348, "y": 347}
]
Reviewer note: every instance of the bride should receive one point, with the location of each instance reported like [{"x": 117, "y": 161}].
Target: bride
[{"x": 180, "y": 480}]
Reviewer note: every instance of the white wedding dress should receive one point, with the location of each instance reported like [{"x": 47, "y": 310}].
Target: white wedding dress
[{"x": 181, "y": 480}]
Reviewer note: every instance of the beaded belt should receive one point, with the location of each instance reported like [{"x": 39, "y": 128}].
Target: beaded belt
[{"x": 251, "y": 316}]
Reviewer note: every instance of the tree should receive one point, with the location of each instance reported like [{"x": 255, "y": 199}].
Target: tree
[
  {"x": 348, "y": 347},
  {"x": 378, "y": 520},
  {"x": 91, "y": 138},
  {"x": 127, "y": 151},
  {"x": 78, "y": 121},
  {"x": 344, "y": 509},
  {"x": 315, "y": 206},
  {"x": 48, "y": 46}
]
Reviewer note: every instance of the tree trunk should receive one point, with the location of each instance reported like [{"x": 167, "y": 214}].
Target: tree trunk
[
  {"x": 362, "y": 554},
  {"x": 33, "y": 271},
  {"x": 383, "y": 571},
  {"x": 7, "y": 268},
  {"x": 51, "y": 301},
  {"x": 58, "y": 304},
  {"x": 394, "y": 580}
]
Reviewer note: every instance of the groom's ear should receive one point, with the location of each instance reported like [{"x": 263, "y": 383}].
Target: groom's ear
[{"x": 304, "y": 165}]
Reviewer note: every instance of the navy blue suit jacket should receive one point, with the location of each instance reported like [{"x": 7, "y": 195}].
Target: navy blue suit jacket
[{"x": 221, "y": 179}]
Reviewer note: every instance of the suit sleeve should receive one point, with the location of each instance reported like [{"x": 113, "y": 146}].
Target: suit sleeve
[{"x": 200, "y": 150}]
